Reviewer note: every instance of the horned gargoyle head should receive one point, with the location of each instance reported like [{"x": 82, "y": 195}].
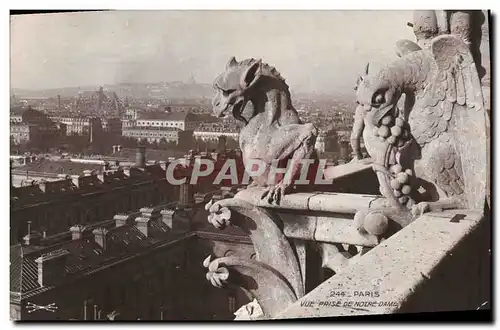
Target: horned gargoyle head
[
  {"x": 362, "y": 76},
  {"x": 377, "y": 94},
  {"x": 235, "y": 85}
]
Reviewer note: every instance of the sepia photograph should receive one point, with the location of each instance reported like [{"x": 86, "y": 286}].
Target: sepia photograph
[{"x": 249, "y": 165}]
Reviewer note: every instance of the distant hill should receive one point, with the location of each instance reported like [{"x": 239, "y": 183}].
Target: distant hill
[
  {"x": 168, "y": 90},
  {"x": 161, "y": 90}
]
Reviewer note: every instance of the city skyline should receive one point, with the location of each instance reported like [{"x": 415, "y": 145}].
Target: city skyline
[{"x": 154, "y": 46}]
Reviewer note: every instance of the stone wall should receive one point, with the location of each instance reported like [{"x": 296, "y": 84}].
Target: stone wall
[{"x": 438, "y": 263}]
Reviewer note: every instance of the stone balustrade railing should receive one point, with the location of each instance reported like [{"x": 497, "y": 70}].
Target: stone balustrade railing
[
  {"x": 373, "y": 274},
  {"x": 440, "y": 262}
]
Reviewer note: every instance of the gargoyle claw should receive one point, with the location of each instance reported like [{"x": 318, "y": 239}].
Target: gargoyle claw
[
  {"x": 419, "y": 209},
  {"x": 219, "y": 216},
  {"x": 275, "y": 193},
  {"x": 216, "y": 275}
]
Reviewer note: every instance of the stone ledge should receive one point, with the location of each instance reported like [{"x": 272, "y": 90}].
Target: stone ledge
[
  {"x": 325, "y": 229},
  {"x": 340, "y": 171},
  {"x": 319, "y": 202},
  {"x": 395, "y": 269}
]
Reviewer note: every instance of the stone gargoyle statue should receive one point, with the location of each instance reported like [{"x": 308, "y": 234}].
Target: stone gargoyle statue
[
  {"x": 445, "y": 149},
  {"x": 256, "y": 94}
]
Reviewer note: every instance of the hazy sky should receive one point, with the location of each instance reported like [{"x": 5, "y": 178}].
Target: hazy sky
[{"x": 319, "y": 51}]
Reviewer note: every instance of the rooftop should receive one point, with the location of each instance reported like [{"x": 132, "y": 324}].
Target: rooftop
[
  {"x": 57, "y": 167},
  {"x": 85, "y": 255},
  {"x": 151, "y": 154},
  {"x": 17, "y": 111},
  {"x": 171, "y": 116},
  {"x": 177, "y": 116},
  {"x": 68, "y": 188},
  {"x": 152, "y": 129}
]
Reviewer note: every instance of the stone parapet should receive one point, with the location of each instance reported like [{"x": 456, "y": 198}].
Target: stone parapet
[
  {"x": 319, "y": 202},
  {"x": 419, "y": 269}
]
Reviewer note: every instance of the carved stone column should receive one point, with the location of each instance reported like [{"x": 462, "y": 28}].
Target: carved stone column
[
  {"x": 460, "y": 23},
  {"x": 274, "y": 279},
  {"x": 484, "y": 49},
  {"x": 425, "y": 26}
]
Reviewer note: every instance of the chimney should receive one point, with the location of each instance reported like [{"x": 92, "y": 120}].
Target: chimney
[
  {"x": 103, "y": 176},
  {"x": 32, "y": 237},
  {"x": 52, "y": 267},
  {"x": 76, "y": 180},
  {"x": 186, "y": 193},
  {"x": 43, "y": 185},
  {"x": 166, "y": 217},
  {"x": 182, "y": 221},
  {"x": 143, "y": 224},
  {"x": 140, "y": 156},
  {"x": 87, "y": 173},
  {"x": 200, "y": 198},
  {"x": 59, "y": 103},
  {"x": 148, "y": 215},
  {"x": 121, "y": 220},
  {"x": 76, "y": 232},
  {"x": 100, "y": 237},
  {"x": 149, "y": 212}
]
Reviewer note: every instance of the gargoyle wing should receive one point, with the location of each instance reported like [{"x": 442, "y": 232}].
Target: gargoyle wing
[
  {"x": 404, "y": 47},
  {"x": 453, "y": 102}
]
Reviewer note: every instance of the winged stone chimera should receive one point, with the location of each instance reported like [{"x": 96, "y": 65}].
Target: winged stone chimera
[
  {"x": 384, "y": 144},
  {"x": 256, "y": 94},
  {"x": 447, "y": 122}
]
